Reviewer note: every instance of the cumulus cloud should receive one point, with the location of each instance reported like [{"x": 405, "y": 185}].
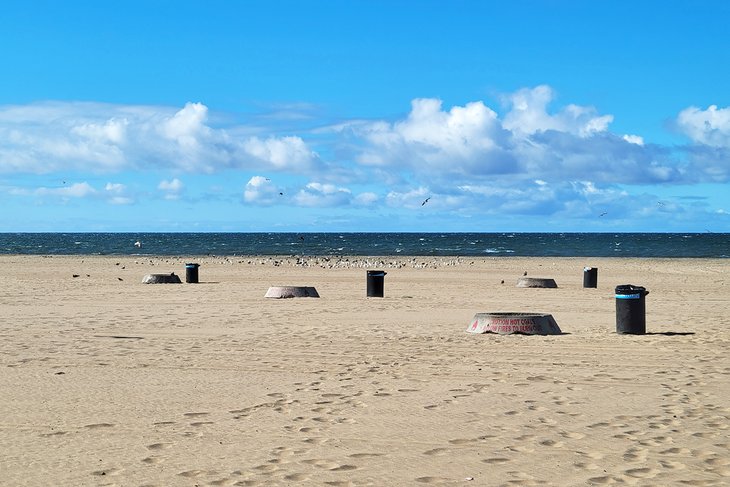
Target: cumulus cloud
[
  {"x": 112, "y": 193},
  {"x": 117, "y": 194},
  {"x": 472, "y": 142},
  {"x": 48, "y": 137},
  {"x": 431, "y": 139},
  {"x": 529, "y": 156},
  {"x": 710, "y": 127},
  {"x": 529, "y": 115},
  {"x": 367, "y": 198},
  {"x": 171, "y": 189},
  {"x": 261, "y": 191},
  {"x": 76, "y": 190},
  {"x": 322, "y": 195}
]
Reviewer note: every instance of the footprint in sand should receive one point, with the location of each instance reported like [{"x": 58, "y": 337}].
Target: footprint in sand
[
  {"x": 55, "y": 433},
  {"x": 669, "y": 464},
  {"x": 194, "y": 415},
  {"x": 365, "y": 455},
  {"x": 159, "y": 446},
  {"x": 553, "y": 443},
  {"x": 436, "y": 452},
  {"x": 191, "y": 474},
  {"x": 201, "y": 423},
  {"x": 296, "y": 477},
  {"x": 99, "y": 425},
  {"x": 675, "y": 451},
  {"x": 107, "y": 471},
  {"x": 573, "y": 435},
  {"x": 433, "y": 480},
  {"x": 641, "y": 473},
  {"x": 496, "y": 460}
]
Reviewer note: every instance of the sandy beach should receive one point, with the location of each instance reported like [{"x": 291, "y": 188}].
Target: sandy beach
[{"x": 108, "y": 381}]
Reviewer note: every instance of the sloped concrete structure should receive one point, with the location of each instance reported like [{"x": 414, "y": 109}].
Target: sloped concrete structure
[
  {"x": 161, "y": 279},
  {"x": 505, "y": 323},
  {"x": 536, "y": 282},
  {"x": 291, "y": 292}
]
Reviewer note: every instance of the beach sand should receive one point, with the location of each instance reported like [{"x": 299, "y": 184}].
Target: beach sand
[{"x": 108, "y": 381}]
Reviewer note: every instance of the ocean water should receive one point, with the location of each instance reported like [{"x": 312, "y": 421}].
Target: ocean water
[{"x": 701, "y": 245}]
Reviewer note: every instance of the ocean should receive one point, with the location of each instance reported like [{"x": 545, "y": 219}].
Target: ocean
[{"x": 685, "y": 245}]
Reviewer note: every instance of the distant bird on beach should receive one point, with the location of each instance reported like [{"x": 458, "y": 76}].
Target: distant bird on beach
[
  {"x": 525, "y": 273},
  {"x": 120, "y": 278},
  {"x": 425, "y": 201}
]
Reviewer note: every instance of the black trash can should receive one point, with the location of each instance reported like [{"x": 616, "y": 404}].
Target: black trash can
[
  {"x": 376, "y": 283},
  {"x": 191, "y": 273},
  {"x": 590, "y": 277},
  {"x": 631, "y": 309}
]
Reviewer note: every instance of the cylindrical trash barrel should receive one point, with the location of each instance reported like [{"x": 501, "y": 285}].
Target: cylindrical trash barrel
[
  {"x": 191, "y": 273},
  {"x": 590, "y": 277},
  {"x": 630, "y": 309},
  {"x": 376, "y": 282}
]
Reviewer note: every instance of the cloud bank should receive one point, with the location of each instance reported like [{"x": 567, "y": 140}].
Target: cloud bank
[{"x": 527, "y": 159}]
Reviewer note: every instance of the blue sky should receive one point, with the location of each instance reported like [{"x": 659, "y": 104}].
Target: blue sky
[{"x": 349, "y": 115}]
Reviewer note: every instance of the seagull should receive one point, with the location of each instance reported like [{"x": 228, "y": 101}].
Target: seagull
[
  {"x": 425, "y": 201},
  {"x": 604, "y": 213},
  {"x": 138, "y": 244}
]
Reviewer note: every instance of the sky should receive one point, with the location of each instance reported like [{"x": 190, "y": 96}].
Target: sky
[{"x": 365, "y": 116}]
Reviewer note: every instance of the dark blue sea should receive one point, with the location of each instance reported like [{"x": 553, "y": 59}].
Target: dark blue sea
[{"x": 703, "y": 245}]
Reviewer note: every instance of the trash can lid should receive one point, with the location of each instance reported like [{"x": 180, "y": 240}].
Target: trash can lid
[
  {"x": 192, "y": 265},
  {"x": 376, "y": 273},
  {"x": 631, "y": 289}
]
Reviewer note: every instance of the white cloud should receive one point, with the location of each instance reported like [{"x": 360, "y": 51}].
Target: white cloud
[
  {"x": 633, "y": 139},
  {"x": 529, "y": 115},
  {"x": 366, "y": 199},
  {"x": 413, "y": 198},
  {"x": 96, "y": 137},
  {"x": 709, "y": 127},
  {"x": 118, "y": 194},
  {"x": 281, "y": 153},
  {"x": 261, "y": 191},
  {"x": 322, "y": 195},
  {"x": 76, "y": 190},
  {"x": 172, "y": 189},
  {"x": 431, "y": 139},
  {"x": 462, "y": 145}
]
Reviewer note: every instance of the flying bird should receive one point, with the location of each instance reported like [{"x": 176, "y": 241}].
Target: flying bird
[
  {"x": 604, "y": 213},
  {"x": 425, "y": 201}
]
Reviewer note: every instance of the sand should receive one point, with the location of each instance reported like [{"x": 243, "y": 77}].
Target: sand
[{"x": 108, "y": 381}]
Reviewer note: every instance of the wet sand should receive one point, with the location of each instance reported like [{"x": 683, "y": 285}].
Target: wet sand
[{"x": 108, "y": 381}]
